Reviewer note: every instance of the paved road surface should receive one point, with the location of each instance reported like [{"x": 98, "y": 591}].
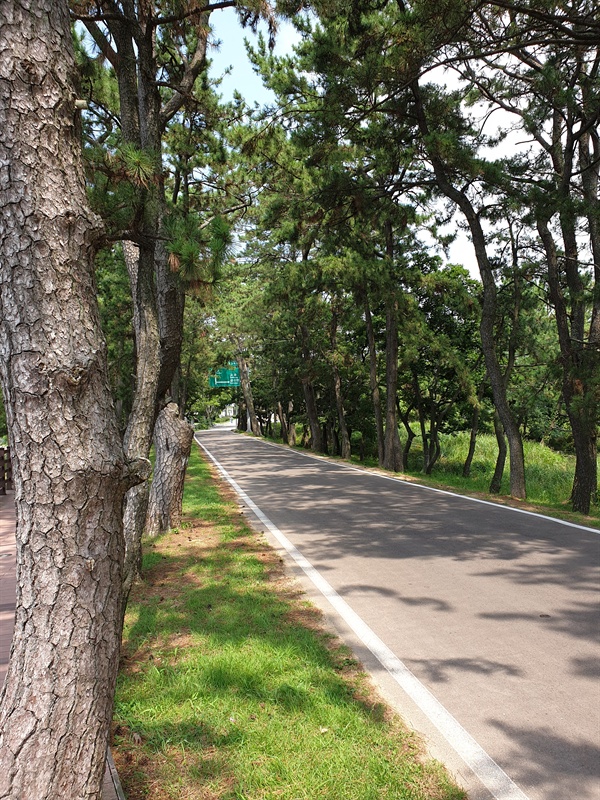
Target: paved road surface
[{"x": 495, "y": 612}]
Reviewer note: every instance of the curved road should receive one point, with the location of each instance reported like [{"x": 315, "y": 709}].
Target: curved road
[{"x": 486, "y": 619}]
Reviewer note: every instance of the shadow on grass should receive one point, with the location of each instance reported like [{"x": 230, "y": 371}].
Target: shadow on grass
[{"x": 226, "y": 672}]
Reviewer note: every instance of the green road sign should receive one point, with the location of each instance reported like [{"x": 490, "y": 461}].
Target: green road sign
[{"x": 224, "y": 378}]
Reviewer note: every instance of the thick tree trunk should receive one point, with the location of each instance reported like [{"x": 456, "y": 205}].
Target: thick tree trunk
[
  {"x": 69, "y": 472},
  {"x": 283, "y": 421},
  {"x": 308, "y": 389},
  {"x": 316, "y": 438},
  {"x": 247, "y": 392},
  {"x": 344, "y": 445},
  {"x": 580, "y": 368},
  {"x": 173, "y": 438},
  {"x": 292, "y": 434},
  {"x": 138, "y": 435}
]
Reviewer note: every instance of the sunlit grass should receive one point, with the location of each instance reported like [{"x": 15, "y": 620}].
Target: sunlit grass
[
  {"x": 548, "y": 473},
  {"x": 230, "y": 688}
]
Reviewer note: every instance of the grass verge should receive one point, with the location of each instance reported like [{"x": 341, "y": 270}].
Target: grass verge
[
  {"x": 548, "y": 475},
  {"x": 231, "y": 688}
]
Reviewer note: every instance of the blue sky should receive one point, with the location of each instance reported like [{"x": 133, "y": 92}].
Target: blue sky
[{"x": 232, "y": 53}]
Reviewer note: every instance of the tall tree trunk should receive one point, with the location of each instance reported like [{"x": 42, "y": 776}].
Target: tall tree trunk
[
  {"x": 488, "y": 316},
  {"x": 283, "y": 421},
  {"x": 140, "y": 426},
  {"x": 242, "y": 417},
  {"x": 337, "y": 387},
  {"x": 308, "y": 389},
  {"x": 466, "y": 471},
  {"x": 393, "y": 457},
  {"x": 140, "y": 121},
  {"x": 316, "y": 437},
  {"x": 580, "y": 383},
  {"x": 131, "y": 50},
  {"x": 69, "y": 470},
  {"x": 247, "y": 392},
  {"x": 173, "y": 438},
  {"x": 496, "y": 481},
  {"x": 373, "y": 380},
  {"x": 345, "y": 450}
]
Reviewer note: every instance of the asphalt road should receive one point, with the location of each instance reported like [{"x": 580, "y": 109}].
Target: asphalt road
[{"x": 480, "y": 623}]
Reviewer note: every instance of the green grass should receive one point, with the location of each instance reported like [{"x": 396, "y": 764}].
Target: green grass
[
  {"x": 548, "y": 474},
  {"x": 231, "y": 689}
]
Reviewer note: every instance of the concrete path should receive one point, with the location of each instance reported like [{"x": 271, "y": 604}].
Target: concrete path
[
  {"x": 111, "y": 788},
  {"x": 481, "y": 623}
]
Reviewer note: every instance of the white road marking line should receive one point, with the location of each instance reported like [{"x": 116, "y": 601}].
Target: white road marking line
[
  {"x": 397, "y": 479},
  {"x": 491, "y": 775}
]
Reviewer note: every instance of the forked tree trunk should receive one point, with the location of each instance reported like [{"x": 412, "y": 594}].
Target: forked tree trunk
[
  {"x": 172, "y": 443},
  {"x": 69, "y": 472}
]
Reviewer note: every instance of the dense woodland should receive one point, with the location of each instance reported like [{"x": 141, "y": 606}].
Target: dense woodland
[
  {"x": 311, "y": 237},
  {"x": 309, "y": 242}
]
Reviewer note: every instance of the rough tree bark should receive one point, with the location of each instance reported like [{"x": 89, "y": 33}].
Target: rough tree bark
[
  {"x": 172, "y": 442},
  {"x": 69, "y": 471},
  {"x": 138, "y": 435}
]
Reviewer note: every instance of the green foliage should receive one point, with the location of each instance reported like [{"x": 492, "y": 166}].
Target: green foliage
[
  {"x": 116, "y": 317},
  {"x": 549, "y": 473}
]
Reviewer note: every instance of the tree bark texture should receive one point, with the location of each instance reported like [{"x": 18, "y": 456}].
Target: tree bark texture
[
  {"x": 344, "y": 444},
  {"x": 496, "y": 482},
  {"x": 580, "y": 382},
  {"x": 374, "y": 381},
  {"x": 138, "y": 435},
  {"x": 308, "y": 389},
  {"x": 284, "y": 423},
  {"x": 172, "y": 443},
  {"x": 466, "y": 470},
  {"x": 393, "y": 458},
  {"x": 69, "y": 470},
  {"x": 158, "y": 341},
  {"x": 316, "y": 437},
  {"x": 247, "y": 392}
]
